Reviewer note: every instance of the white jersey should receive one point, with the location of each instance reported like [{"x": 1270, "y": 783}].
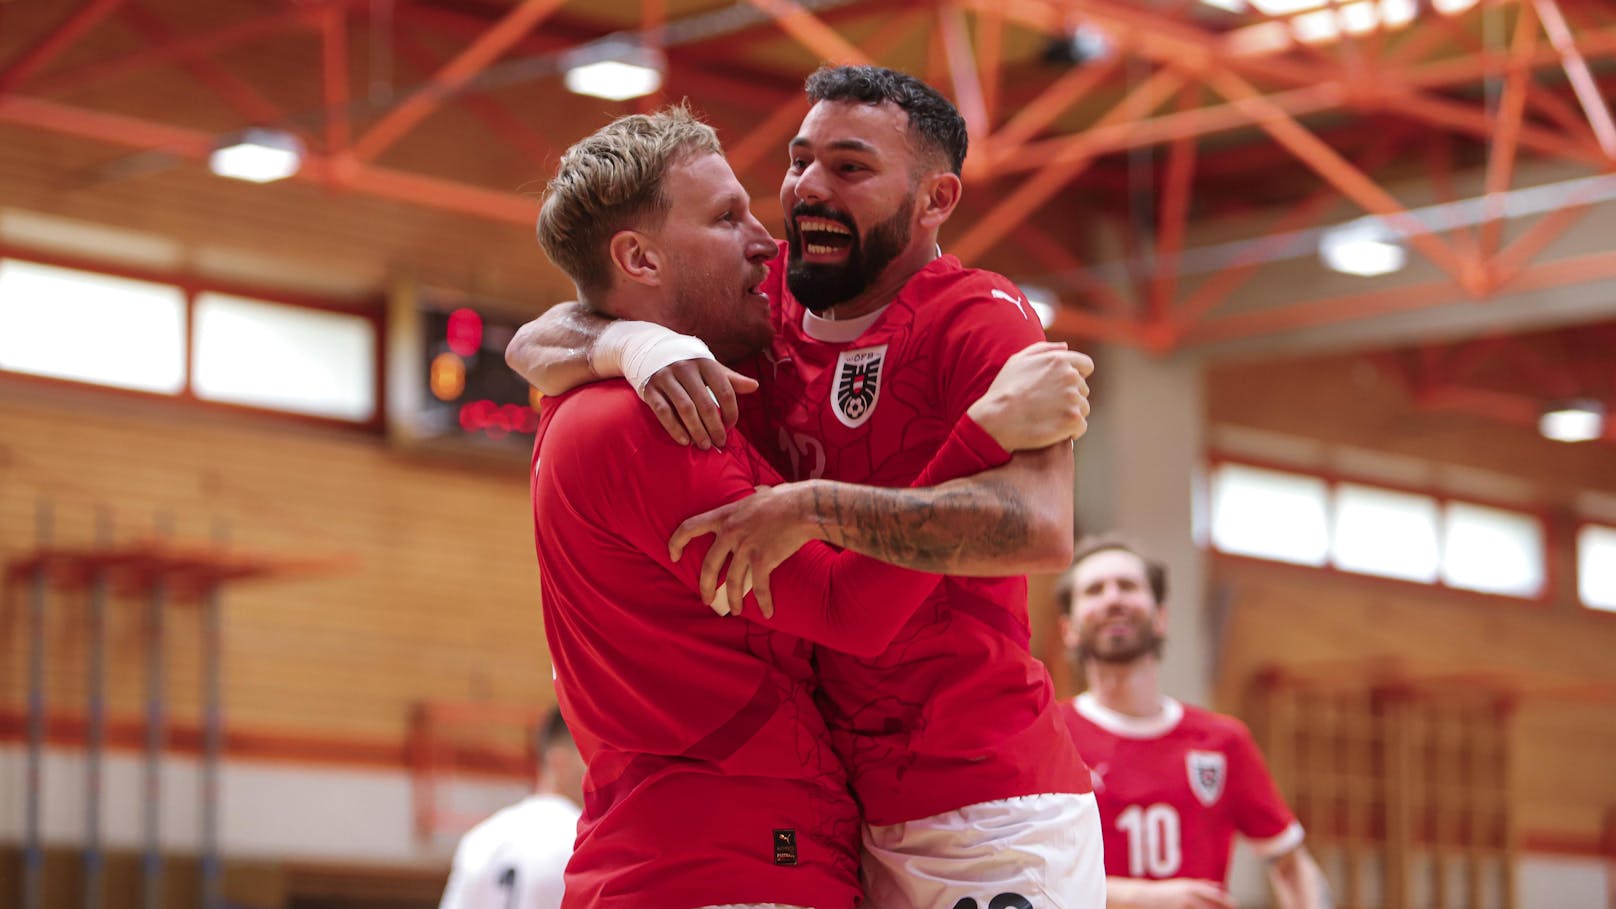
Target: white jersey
[{"x": 514, "y": 859}]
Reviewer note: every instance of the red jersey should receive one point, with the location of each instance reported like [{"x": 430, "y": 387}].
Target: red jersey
[
  {"x": 957, "y": 711},
  {"x": 1174, "y": 789},
  {"x": 710, "y": 777}
]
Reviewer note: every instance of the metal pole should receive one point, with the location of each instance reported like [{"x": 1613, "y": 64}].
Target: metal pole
[
  {"x": 212, "y": 729},
  {"x": 152, "y": 857},
  {"x": 33, "y": 865},
  {"x": 95, "y": 716}
]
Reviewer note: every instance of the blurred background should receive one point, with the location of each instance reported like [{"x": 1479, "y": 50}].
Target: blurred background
[{"x": 271, "y": 623}]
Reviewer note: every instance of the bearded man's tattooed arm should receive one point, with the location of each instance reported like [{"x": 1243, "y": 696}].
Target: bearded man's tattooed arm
[{"x": 1007, "y": 521}]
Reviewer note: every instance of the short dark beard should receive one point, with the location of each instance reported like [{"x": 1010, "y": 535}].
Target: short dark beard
[
  {"x": 821, "y": 286},
  {"x": 1149, "y": 643}
]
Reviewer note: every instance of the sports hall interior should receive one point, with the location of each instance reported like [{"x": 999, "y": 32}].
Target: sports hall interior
[{"x": 271, "y": 630}]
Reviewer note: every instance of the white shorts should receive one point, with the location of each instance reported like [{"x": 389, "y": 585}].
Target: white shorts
[{"x": 1032, "y": 852}]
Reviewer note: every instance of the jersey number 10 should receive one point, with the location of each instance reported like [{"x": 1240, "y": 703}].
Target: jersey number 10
[{"x": 1154, "y": 849}]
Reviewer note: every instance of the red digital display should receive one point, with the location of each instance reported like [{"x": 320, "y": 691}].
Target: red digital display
[
  {"x": 464, "y": 332},
  {"x": 498, "y": 420}
]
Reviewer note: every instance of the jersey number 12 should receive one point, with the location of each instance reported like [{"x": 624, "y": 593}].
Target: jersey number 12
[{"x": 1153, "y": 840}]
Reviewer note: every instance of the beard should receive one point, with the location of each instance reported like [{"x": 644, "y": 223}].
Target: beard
[
  {"x": 819, "y": 286},
  {"x": 1143, "y": 640},
  {"x": 732, "y": 325}
]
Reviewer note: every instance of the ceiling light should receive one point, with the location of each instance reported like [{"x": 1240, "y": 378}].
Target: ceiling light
[
  {"x": 614, "y": 68},
  {"x": 1082, "y": 44},
  {"x": 1364, "y": 247},
  {"x": 1452, "y": 7},
  {"x": 1398, "y": 13},
  {"x": 1573, "y": 421},
  {"x": 1285, "y": 7},
  {"x": 259, "y": 155},
  {"x": 1228, "y": 6},
  {"x": 1359, "y": 18},
  {"x": 1316, "y": 28}
]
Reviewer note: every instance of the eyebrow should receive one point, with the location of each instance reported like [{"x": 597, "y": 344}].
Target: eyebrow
[
  {"x": 855, "y": 145},
  {"x": 726, "y": 202}
]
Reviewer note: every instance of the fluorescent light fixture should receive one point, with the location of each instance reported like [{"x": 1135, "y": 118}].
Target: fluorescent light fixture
[
  {"x": 1573, "y": 421},
  {"x": 614, "y": 68},
  {"x": 259, "y": 155},
  {"x": 1316, "y": 28},
  {"x": 1081, "y": 45},
  {"x": 1228, "y": 6},
  {"x": 1452, "y": 7},
  {"x": 1365, "y": 247},
  {"x": 1359, "y": 18},
  {"x": 1286, "y": 7},
  {"x": 1398, "y": 13}
]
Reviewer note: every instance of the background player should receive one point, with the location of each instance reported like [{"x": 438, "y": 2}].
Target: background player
[
  {"x": 1174, "y": 782},
  {"x": 971, "y": 788},
  {"x": 515, "y": 858}
]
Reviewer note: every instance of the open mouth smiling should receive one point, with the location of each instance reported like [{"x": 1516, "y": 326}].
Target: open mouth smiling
[{"x": 823, "y": 237}]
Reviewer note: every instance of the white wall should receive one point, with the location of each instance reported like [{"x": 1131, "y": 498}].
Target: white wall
[{"x": 268, "y": 810}]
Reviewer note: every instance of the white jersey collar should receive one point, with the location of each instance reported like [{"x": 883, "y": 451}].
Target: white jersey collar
[
  {"x": 837, "y": 331},
  {"x": 1130, "y": 727}
]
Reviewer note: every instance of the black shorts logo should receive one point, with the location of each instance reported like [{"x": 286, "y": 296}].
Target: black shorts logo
[{"x": 785, "y": 846}]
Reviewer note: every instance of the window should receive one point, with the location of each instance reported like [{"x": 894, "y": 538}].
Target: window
[
  {"x": 162, "y": 334},
  {"x": 1269, "y": 514},
  {"x": 1492, "y": 550},
  {"x": 1392, "y": 534},
  {"x": 89, "y": 327},
  {"x": 1409, "y": 536},
  {"x": 284, "y": 357},
  {"x": 1596, "y": 567}
]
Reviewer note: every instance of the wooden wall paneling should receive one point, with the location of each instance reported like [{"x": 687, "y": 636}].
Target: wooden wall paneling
[{"x": 442, "y": 603}]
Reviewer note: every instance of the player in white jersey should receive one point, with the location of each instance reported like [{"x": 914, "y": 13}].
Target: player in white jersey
[{"x": 515, "y": 858}]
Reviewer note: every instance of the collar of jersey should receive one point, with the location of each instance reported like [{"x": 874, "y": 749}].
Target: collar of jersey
[
  {"x": 837, "y": 331},
  {"x": 1130, "y": 727}
]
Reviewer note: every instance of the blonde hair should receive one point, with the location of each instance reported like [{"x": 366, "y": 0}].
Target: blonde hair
[{"x": 613, "y": 180}]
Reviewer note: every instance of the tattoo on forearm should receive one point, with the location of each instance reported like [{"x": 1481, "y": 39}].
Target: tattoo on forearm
[{"x": 929, "y": 530}]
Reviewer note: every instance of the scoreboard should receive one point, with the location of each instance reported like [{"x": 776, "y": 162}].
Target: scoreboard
[{"x": 449, "y": 386}]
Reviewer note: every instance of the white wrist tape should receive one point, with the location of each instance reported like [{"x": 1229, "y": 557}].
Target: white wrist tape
[{"x": 637, "y": 350}]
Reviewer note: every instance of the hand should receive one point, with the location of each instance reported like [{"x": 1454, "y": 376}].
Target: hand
[
  {"x": 695, "y": 400},
  {"x": 755, "y": 535},
  {"x": 1181, "y": 893},
  {"x": 1040, "y": 397}
]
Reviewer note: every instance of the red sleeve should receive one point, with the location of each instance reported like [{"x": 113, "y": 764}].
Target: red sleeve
[
  {"x": 841, "y": 600},
  {"x": 1260, "y": 812},
  {"x": 967, "y": 450},
  {"x": 977, "y": 336}
]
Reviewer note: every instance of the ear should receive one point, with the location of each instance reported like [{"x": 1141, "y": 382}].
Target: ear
[
  {"x": 635, "y": 257},
  {"x": 941, "y": 195},
  {"x": 1068, "y": 631}
]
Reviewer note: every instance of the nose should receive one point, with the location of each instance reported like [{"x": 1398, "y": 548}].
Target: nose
[
  {"x": 811, "y": 184},
  {"x": 759, "y": 244}
]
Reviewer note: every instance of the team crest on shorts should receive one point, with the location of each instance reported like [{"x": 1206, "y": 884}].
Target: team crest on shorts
[
  {"x": 858, "y": 384},
  {"x": 1208, "y": 770}
]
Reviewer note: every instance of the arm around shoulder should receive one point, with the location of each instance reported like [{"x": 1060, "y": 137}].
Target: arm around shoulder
[{"x": 552, "y": 352}]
